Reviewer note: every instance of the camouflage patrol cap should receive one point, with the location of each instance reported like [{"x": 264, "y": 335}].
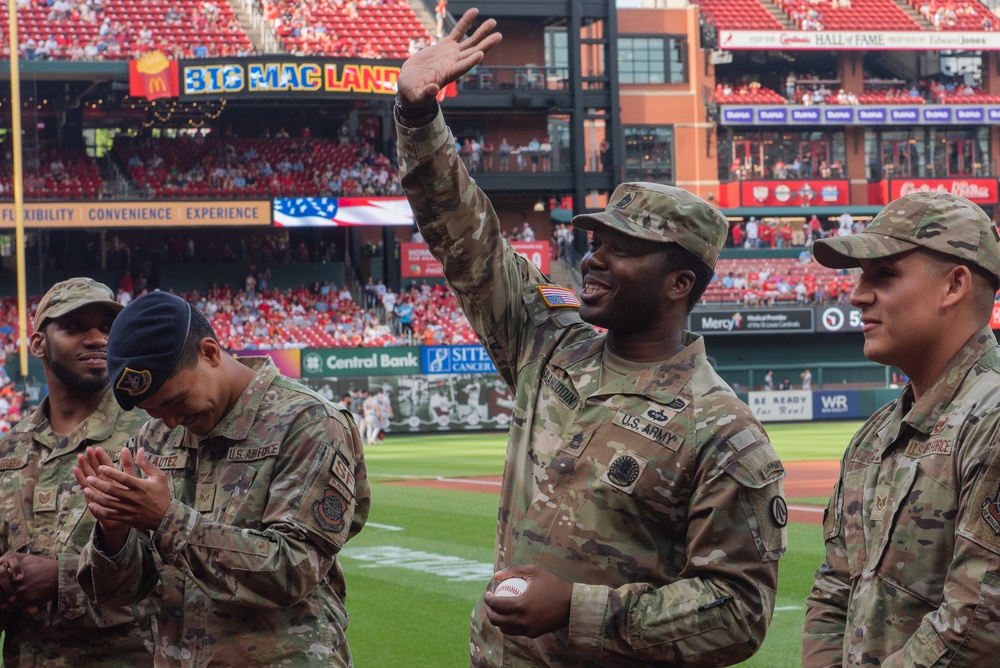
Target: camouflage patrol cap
[
  {"x": 144, "y": 345},
  {"x": 664, "y": 214},
  {"x": 69, "y": 295},
  {"x": 936, "y": 221}
]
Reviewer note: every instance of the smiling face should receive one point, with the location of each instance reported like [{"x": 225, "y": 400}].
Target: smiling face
[
  {"x": 623, "y": 284},
  {"x": 74, "y": 348},
  {"x": 194, "y": 397},
  {"x": 900, "y": 298}
]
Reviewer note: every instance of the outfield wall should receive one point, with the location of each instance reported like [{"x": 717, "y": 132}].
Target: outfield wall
[{"x": 457, "y": 388}]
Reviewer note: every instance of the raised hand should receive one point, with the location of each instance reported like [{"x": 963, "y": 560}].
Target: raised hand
[{"x": 434, "y": 67}]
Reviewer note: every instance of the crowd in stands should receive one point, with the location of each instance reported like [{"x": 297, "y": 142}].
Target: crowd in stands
[
  {"x": 211, "y": 166},
  {"x": 85, "y": 30},
  {"x": 116, "y": 29},
  {"x": 966, "y": 15},
  {"x": 371, "y": 29},
  {"x": 52, "y": 173},
  {"x": 812, "y": 90}
]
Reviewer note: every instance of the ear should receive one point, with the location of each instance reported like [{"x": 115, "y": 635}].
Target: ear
[
  {"x": 36, "y": 344},
  {"x": 211, "y": 350},
  {"x": 679, "y": 285},
  {"x": 958, "y": 286}
]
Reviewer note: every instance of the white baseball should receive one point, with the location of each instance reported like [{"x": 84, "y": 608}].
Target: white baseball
[{"x": 511, "y": 587}]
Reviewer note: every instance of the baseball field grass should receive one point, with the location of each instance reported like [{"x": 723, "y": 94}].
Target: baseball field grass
[{"x": 424, "y": 559}]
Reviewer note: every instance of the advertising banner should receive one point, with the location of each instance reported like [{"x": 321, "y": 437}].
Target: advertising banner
[
  {"x": 836, "y": 404},
  {"x": 838, "y": 318},
  {"x": 447, "y": 402},
  {"x": 455, "y": 359},
  {"x": 865, "y": 114},
  {"x": 866, "y": 40},
  {"x": 782, "y": 405},
  {"x": 417, "y": 262},
  {"x": 756, "y": 321},
  {"x": 288, "y": 76},
  {"x": 139, "y": 214},
  {"x": 995, "y": 320},
  {"x": 341, "y": 211},
  {"x": 980, "y": 191},
  {"x": 795, "y": 193},
  {"x": 289, "y": 362},
  {"x": 337, "y": 362}
]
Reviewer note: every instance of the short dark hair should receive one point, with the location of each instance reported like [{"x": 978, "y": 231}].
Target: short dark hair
[
  {"x": 198, "y": 330},
  {"x": 984, "y": 283},
  {"x": 676, "y": 258}
]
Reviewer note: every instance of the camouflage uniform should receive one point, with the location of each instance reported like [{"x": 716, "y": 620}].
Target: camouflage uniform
[
  {"x": 651, "y": 490},
  {"x": 912, "y": 530},
  {"x": 43, "y": 513},
  {"x": 244, "y": 562}
]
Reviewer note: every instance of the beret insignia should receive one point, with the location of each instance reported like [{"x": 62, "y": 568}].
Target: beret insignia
[{"x": 134, "y": 382}]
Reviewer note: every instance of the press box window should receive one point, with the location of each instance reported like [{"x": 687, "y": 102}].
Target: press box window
[{"x": 652, "y": 60}]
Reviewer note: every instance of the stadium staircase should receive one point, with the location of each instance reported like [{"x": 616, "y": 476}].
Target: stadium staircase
[
  {"x": 568, "y": 276},
  {"x": 779, "y": 14},
  {"x": 914, "y": 14},
  {"x": 256, "y": 27},
  {"x": 424, "y": 11}
]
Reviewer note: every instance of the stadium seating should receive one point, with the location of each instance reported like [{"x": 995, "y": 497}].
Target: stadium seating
[
  {"x": 58, "y": 174},
  {"x": 881, "y": 15},
  {"x": 889, "y": 97},
  {"x": 121, "y": 29},
  {"x": 212, "y": 167},
  {"x": 752, "y": 93},
  {"x": 817, "y": 279},
  {"x": 368, "y": 30},
  {"x": 738, "y": 15},
  {"x": 967, "y": 16}
]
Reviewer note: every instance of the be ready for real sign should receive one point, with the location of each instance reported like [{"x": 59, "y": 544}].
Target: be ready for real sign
[{"x": 782, "y": 405}]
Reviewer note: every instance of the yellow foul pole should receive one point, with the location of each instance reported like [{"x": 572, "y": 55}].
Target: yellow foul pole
[{"x": 15, "y": 119}]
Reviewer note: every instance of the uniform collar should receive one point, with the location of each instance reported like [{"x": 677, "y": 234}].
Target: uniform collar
[
  {"x": 662, "y": 382},
  {"x": 97, "y": 427},
  {"x": 924, "y": 413},
  {"x": 238, "y": 420}
]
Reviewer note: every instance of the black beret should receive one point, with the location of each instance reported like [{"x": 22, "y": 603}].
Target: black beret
[{"x": 145, "y": 342}]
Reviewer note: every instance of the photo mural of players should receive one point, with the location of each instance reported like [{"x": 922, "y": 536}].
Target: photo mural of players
[{"x": 416, "y": 403}]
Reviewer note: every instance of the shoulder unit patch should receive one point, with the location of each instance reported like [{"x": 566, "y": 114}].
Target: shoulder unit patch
[{"x": 556, "y": 296}]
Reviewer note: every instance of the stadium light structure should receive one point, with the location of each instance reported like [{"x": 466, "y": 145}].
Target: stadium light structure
[{"x": 15, "y": 120}]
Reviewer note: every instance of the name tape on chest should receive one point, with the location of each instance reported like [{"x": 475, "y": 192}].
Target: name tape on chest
[
  {"x": 237, "y": 454},
  {"x": 178, "y": 460},
  {"x": 11, "y": 463},
  {"x": 643, "y": 427},
  {"x": 563, "y": 392}
]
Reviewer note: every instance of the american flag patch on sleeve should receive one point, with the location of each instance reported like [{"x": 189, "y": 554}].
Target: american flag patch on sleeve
[{"x": 558, "y": 297}]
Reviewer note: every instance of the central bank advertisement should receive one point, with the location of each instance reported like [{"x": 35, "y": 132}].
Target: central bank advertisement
[{"x": 430, "y": 388}]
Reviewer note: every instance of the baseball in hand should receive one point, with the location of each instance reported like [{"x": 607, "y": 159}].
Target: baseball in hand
[{"x": 511, "y": 587}]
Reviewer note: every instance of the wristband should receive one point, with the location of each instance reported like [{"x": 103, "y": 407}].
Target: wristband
[{"x": 416, "y": 113}]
